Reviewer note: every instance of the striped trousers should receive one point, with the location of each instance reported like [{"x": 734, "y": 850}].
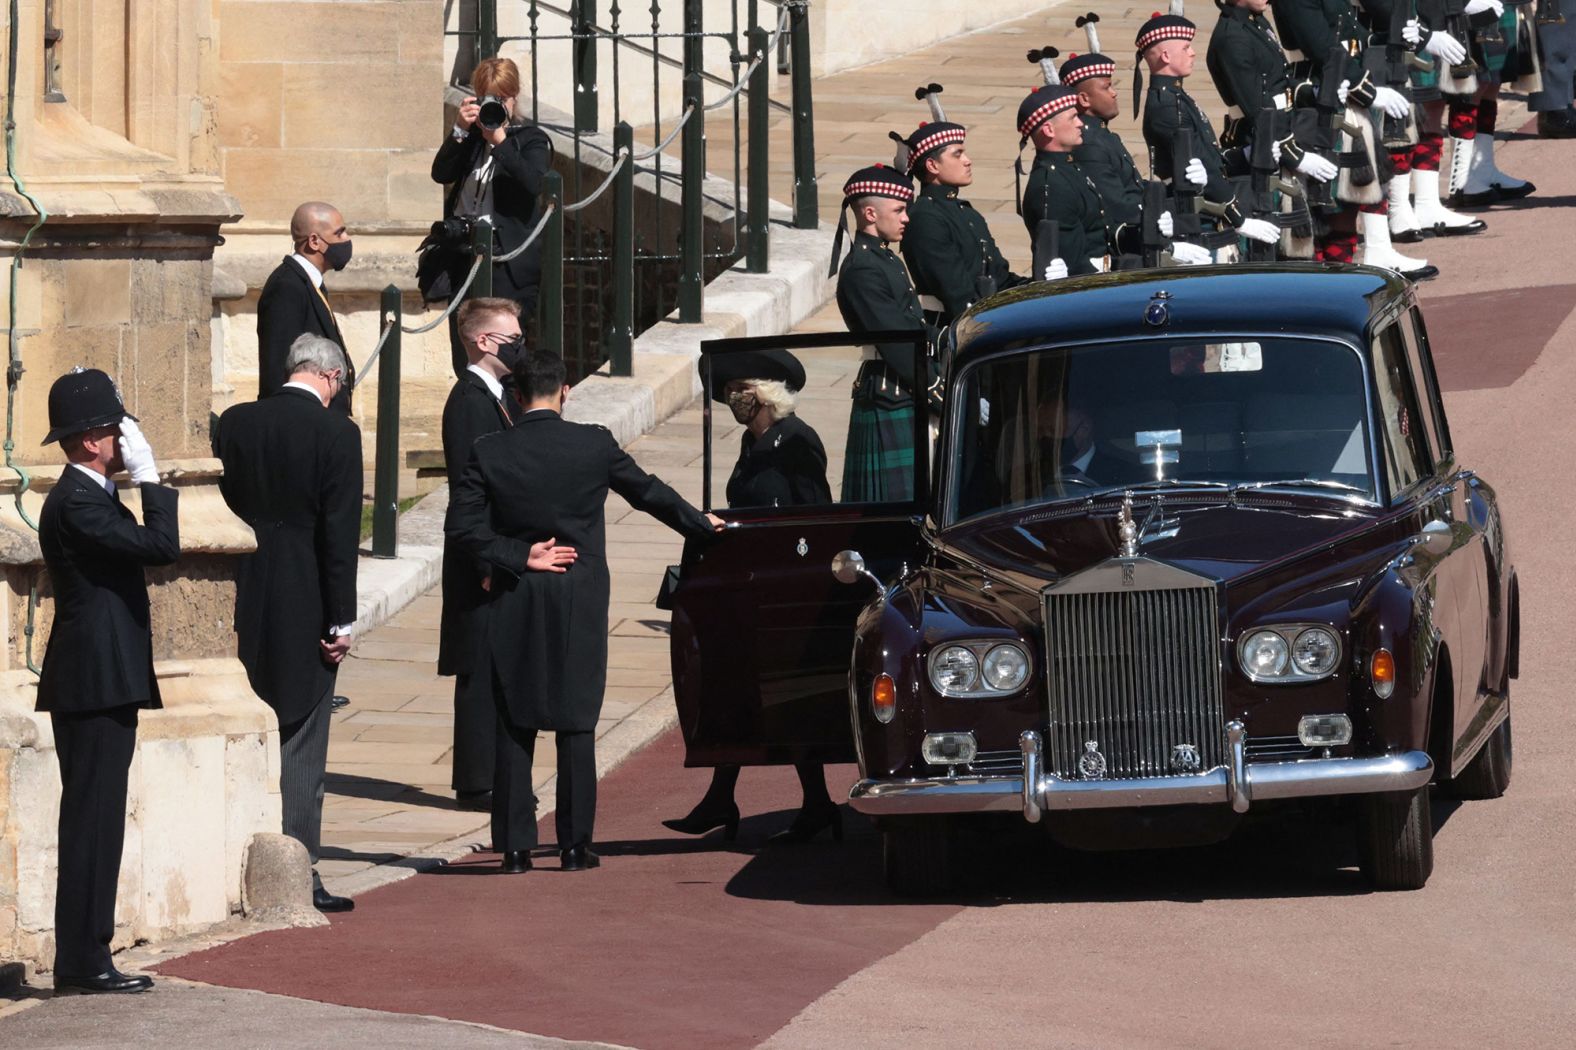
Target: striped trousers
[{"x": 303, "y": 760}]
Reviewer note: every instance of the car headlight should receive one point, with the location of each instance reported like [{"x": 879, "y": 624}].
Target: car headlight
[
  {"x": 955, "y": 670},
  {"x": 1286, "y": 653},
  {"x": 1006, "y": 668},
  {"x": 1264, "y": 655},
  {"x": 1316, "y": 651},
  {"x": 984, "y": 668}
]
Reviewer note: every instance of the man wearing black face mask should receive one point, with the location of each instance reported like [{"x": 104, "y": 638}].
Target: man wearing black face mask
[
  {"x": 1067, "y": 440},
  {"x": 478, "y": 405},
  {"x": 294, "y": 302}
]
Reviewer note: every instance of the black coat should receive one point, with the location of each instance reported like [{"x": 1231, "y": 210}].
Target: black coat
[
  {"x": 874, "y": 293},
  {"x": 292, "y": 471},
  {"x": 519, "y": 163},
  {"x": 470, "y": 413},
  {"x": 1058, "y": 191},
  {"x": 100, "y": 652},
  {"x": 1168, "y": 108},
  {"x": 546, "y": 633},
  {"x": 289, "y": 306},
  {"x": 950, "y": 251},
  {"x": 784, "y": 467},
  {"x": 1105, "y": 160}
]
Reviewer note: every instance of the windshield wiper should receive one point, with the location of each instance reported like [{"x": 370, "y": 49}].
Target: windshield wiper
[
  {"x": 1298, "y": 483},
  {"x": 1162, "y": 483}
]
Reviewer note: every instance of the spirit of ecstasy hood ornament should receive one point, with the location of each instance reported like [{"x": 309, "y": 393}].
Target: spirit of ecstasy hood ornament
[{"x": 1126, "y": 529}]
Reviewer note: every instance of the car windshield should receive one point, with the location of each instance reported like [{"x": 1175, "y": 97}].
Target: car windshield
[{"x": 1072, "y": 422}]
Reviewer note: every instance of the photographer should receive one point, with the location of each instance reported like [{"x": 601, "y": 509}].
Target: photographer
[{"x": 494, "y": 167}]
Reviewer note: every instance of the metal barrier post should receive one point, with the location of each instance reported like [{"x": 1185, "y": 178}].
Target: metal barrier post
[
  {"x": 482, "y": 245},
  {"x": 385, "y": 484},
  {"x": 758, "y": 247},
  {"x": 584, "y": 29},
  {"x": 486, "y": 29},
  {"x": 693, "y": 232},
  {"x": 550, "y": 309},
  {"x": 805, "y": 206},
  {"x": 621, "y": 337}
]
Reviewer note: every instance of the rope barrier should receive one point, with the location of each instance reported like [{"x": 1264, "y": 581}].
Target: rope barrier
[
  {"x": 665, "y": 143},
  {"x": 623, "y": 156},
  {"x": 547, "y": 212}
]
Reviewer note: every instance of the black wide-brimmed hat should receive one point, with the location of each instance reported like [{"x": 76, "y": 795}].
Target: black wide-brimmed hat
[
  {"x": 80, "y": 400},
  {"x": 779, "y": 365}
]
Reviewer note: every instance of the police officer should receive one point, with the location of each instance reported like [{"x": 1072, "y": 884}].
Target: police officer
[
  {"x": 1165, "y": 44},
  {"x": 948, "y": 246},
  {"x": 874, "y": 294},
  {"x": 98, "y": 667}
]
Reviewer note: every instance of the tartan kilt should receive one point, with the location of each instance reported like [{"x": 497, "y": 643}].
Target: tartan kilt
[{"x": 879, "y": 462}]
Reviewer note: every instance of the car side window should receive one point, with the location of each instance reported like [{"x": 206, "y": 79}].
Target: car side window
[
  {"x": 1427, "y": 382},
  {"x": 1406, "y": 456}
]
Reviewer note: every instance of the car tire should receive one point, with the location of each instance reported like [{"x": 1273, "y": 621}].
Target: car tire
[
  {"x": 919, "y": 859},
  {"x": 1488, "y": 774},
  {"x": 1395, "y": 839}
]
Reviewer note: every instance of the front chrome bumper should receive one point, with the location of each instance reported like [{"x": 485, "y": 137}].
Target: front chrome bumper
[{"x": 1240, "y": 783}]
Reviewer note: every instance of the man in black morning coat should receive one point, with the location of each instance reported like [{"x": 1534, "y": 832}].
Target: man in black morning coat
[
  {"x": 292, "y": 471},
  {"x": 98, "y": 668},
  {"x": 293, "y": 301},
  {"x": 530, "y": 505},
  {"x": 478, "y": 405}
]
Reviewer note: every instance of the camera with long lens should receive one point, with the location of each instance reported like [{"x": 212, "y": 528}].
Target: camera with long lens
[{"x": 493, "y": 114}]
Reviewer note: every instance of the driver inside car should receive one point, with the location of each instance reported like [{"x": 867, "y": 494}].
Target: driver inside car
[{"x": 1067, "y": 447}]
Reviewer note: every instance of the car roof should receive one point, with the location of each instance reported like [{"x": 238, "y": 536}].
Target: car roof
[{"x": 1295, "y": 298}]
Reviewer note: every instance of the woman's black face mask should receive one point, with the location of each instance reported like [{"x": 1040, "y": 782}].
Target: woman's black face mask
[{"x": 743, "y": 405}]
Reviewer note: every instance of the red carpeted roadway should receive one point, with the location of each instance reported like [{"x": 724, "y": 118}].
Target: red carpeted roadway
[{"x": 673, "y": 942}]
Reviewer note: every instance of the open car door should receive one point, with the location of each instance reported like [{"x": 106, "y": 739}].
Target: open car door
[{"x": 762, "y": 632}]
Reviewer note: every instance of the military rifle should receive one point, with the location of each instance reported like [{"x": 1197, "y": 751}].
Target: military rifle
[
  {"x": 1327, "y": 104},
  {"x": 1155, "y": 242},
  {"x": 1184, "y": 214},
  {"x": 1263, "y": 165},
  {"x": 1047, "y": 246},
  {"x": 1393, "y": 67}
]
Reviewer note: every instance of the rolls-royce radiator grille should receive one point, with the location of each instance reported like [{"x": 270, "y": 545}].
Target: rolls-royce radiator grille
[{"x": 1134, "y": 683}]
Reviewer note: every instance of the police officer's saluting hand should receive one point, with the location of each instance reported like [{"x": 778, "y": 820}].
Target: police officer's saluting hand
[{"x": 98, "y": 668}]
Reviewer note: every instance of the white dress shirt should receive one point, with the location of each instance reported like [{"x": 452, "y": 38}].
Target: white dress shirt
[
  {"x": 100, "y": 480},
  {"x": 494, "y": 385},
  {"x": 312, "y": 272}
]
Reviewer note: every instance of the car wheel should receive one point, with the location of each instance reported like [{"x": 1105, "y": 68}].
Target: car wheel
[
  {"x": 1488, "y": 774},
  {"x": 918, "y": 858},
  {"x": 1395, "y": 839}
]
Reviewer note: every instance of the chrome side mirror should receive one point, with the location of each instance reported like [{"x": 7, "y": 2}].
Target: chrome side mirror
[
  {"x": 849, "y": 567},
  {"x": 1436, "y": 537}
]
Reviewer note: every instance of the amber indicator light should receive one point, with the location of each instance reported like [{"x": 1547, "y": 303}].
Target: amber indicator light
[
  {"x": 883, "y": 697},
  {"x": 1381, "y": 670}
]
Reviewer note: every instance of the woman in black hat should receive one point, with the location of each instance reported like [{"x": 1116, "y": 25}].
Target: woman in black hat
[{"x": 781, "y": 463}]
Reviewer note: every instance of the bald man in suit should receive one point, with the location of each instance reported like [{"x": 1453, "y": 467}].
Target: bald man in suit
[{"x": 294, "y": 302}]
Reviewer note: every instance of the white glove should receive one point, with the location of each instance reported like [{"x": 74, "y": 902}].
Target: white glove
[
  {"x": 1477, "y": 7},
  {"x": 1187, "y": 254},
  {"x": 1055, "y": 270},
  {"x": 1392, "y": 102},
  {"x": 137, "y": 454},
  {"x": 1318, "y": 168},
  {"x": 1275, "y": 152},
  {"x": 1448, "y": 49},
  {"x": 1342, "y": 91},
  {"x": 1259, "y": 230},
  {"x": 1412, "y": 32},
  {"x": 1165, "y": 225},
  {"x": 1195, "y": 172}
]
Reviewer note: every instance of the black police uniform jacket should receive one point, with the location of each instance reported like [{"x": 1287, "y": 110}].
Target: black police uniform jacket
[
  {"x": 1169, "y": 109},
  {"x": 874, "y": 293},
  {"x": 1116, "y": 178},
  {"x": 546, "y": 633},
  {"x": 292, "y": 471},
  {"x": 289, "y": 307},
  {"x": 470, "y": 413},
  {"x": 100, "y": 652},
  {"x": 1060, "y": 192},
  {"x": 950, "y": 251},
  {"x": 519, "y": 163}
]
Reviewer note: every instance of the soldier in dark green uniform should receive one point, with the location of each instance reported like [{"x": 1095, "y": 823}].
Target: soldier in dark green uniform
[
  {"x": 1058, "y": 191},
  {"x": 948, "y": 245},
  {"x": 1165, "y": 43},
  {"x": 1101, "y": 155},
  {"x": 874, "y": 294}
]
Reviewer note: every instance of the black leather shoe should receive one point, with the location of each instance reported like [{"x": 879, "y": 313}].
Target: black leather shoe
[
  {"x": 338, "y": 702},
  {"x": 515, "y": 862},
  {"x": 1557, "y": 124},
  {"x": 481, "y": 801},
  {"x": 808, "y": 823},
  {"x": 702, "y": 819},
  {"x": 111, "y": 982},
  {"x": 323, "y": 900},
  {"x": 578, "y": 858},
  {"x": 1422, "y": 273}
]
